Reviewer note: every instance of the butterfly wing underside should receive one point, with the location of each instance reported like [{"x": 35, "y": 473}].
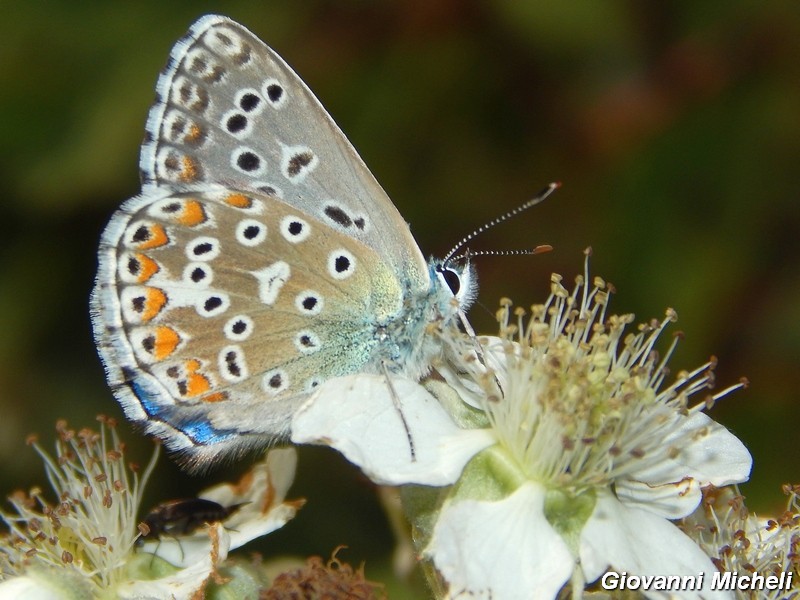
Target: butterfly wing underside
[
  {"x": 230, "y": 111},
  {"x": 228, "y": 302},
  {"x": 261, "y": 258}
]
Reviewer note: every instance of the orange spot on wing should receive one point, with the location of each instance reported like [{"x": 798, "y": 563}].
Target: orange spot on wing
[
  {"x": 239, "y": 201},
  {"x": 157, "y": 238},
  {"x": 193, "y": 383},
  {"x": 197, "y": 384},
  {"x": 147, "y": 267},
  {"x": 195, "y": 134},
  {"x": 192, "y": 214},
  {"x": 167, "y": 339},
  {"x": 154, "y": 301},
  {"x": 215, "y": 397},
  {"x": 190, "y": 170}
]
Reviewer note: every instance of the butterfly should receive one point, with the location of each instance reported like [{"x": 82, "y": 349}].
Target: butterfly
[{"x": 260, "y": 259}]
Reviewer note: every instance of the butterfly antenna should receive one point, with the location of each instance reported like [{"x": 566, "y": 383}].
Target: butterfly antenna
[
  {"x": 541, "y": 249},
  {"x": 540, "y": 197}
]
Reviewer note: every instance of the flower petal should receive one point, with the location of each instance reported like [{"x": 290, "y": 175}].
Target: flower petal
[
  {"x": 640, "y": 543},
  {"x": 35, "y": 587},
  {"x": 495, "y": 355},
  {"x": 358, "y": 416},
  {"x": 261, "y": 491},
  {"x": 190, "y": 581},
  {"x": 706, "y": 451},
  {"x": 181, "y": 552},
  {"x": 504, "y": 549},
  {"x": 670, "y": 500}
]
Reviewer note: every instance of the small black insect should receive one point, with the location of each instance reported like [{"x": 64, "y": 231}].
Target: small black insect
[{"x": 182, "y": 517}]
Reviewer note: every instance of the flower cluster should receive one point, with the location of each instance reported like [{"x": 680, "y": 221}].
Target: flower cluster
[
  {"x": 551, "y": 453},
  {"x": 85, "y": 535},
  {"x": 87, "y": 543},
  {"x": 595, "y": 453},
  {"x": 534, "y": 463},
  {"x": 743, "y": 545}
]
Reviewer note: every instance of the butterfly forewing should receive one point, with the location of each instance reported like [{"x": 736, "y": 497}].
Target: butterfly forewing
[{"x": 230, "y": 111}]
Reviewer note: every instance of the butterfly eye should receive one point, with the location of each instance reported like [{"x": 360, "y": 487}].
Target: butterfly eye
[{"x": 452, "y": 280}]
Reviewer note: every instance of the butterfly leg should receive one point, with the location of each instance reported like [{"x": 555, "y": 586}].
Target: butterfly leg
[
  {"x": 399, "y": 407},
  {"x": 478, "y": 348}
]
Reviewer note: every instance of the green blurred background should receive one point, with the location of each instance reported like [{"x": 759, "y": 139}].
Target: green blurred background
[{"x": 675, "y": 128}]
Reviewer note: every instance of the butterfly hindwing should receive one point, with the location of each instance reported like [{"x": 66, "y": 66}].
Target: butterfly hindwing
[{"x": 230, "y": 298}]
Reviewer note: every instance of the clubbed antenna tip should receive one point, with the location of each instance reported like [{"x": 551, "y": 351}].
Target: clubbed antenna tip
[{"x": 540, "y": 197}]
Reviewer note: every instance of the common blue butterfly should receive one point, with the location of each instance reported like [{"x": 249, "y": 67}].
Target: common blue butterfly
[{"x": 260, "y": 259}]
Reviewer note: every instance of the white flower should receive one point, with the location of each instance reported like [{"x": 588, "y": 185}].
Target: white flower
[
  {"x": 358, "y": 416},
  {"x": 89, "y": 533},
  {"x": 262, "y": 508},
  {"x": 86, "y": 545},
  {"x": 741, "y": 543},
  {"x": 584, "y": 455}
]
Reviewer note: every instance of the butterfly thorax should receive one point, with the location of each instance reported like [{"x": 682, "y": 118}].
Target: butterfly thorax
[{"x": 429, "y": 320}]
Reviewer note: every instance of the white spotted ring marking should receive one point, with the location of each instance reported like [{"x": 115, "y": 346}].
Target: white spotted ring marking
[
  {"x": 213, "y": 305},
  {"x": 309, "y": 302},
  {"x": 274, "y": 92},
  {"x": 250, "y": 232},
  {"x": 238, "y": 328},
  {"x": 307, "y": 342},
  {"x": 203, "y": 248},
  {"x": 232, "y": 365},
  {"x": 295, "y": 229},
  {"x": 248, "y": 161},
  {"x": 341, "y": 264},
  {"x": 275, "y": 381},
  {"x": 198, "y": 274}
]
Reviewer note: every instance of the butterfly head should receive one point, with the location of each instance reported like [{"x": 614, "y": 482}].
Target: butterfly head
[{"x": 459, "y": 278}]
